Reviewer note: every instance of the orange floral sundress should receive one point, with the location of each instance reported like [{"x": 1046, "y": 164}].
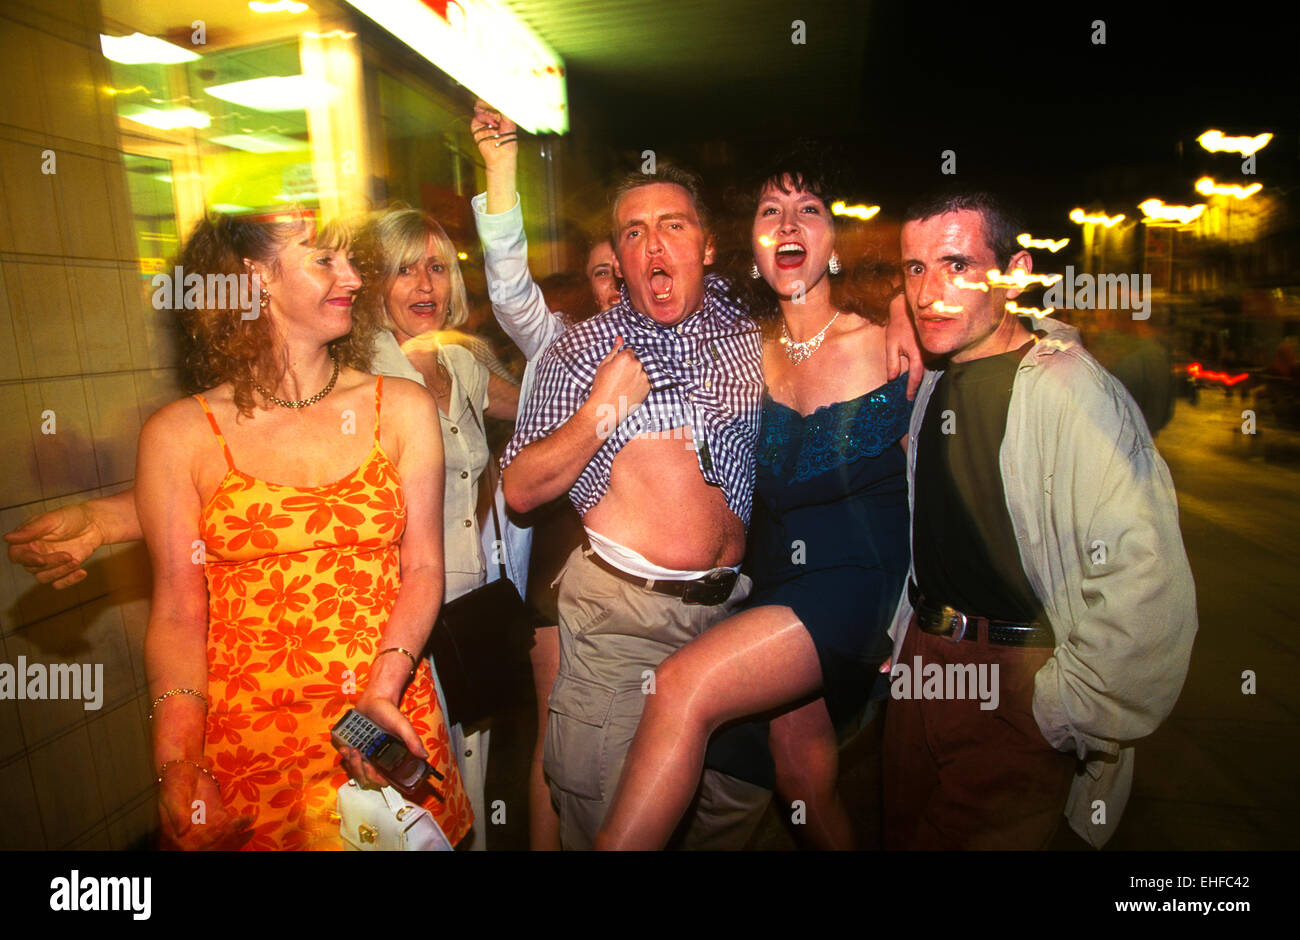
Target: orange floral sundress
[{"x": 301, "y": 582}]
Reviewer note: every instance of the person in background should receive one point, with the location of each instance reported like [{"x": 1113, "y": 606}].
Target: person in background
[{"x": 412, "y": 286}]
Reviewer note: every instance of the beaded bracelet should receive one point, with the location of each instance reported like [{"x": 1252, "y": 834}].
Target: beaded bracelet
[
  {"x": 415, "y": 663},
  {"x": 181, "y": 760},
  {"x": 170, "y": 692}
]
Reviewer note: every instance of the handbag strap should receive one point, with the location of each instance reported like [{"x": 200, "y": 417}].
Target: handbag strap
[{"x": 492, "y": 501}]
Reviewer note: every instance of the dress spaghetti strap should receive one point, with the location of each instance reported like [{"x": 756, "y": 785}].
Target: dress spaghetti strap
[
  {"x": 379, "y": 397},
  {"x": 212, "y": 421}
]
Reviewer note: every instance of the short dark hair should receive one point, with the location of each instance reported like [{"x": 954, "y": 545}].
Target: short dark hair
[
  {"x": 1002, "y": 223},
  {"x": 665, "y": 172}
]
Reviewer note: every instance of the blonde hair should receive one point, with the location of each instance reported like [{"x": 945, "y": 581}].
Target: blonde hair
[{"x": 386, "y": 242}]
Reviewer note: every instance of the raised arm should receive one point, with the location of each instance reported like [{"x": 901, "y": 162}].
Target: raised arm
[
  {"x": 176, "y": 640},
  {"x": 517, "y": 301},
  {"x": 554, "y": 455},
  {"x": 901, "y": 346},
  {"x": 54, "y": 545}
]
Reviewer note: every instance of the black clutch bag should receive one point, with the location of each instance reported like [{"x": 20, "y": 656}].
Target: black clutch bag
[{"x": 480, "y": 645}]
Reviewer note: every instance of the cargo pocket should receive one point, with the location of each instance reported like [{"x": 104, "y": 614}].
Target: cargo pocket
[{"x": 574, "y": 758}]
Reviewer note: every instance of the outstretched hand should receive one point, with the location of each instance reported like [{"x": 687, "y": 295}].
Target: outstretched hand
[{"x": 54, "y": 545}]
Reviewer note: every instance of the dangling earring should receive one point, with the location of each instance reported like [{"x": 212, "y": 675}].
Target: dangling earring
[
  {"x": 266, "y": 299},
  {"x": 834, "y": 265},
  {"x": 753, "y": 271}
]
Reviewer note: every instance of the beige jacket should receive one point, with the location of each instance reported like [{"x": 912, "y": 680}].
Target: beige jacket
[{"x": 1096, "y": 518}]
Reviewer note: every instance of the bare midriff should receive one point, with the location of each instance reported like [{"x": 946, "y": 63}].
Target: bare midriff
[{"x": 659, "y": 505}]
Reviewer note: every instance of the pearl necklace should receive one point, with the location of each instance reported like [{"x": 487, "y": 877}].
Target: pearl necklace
[
  {"x": 306, "y": 401},
  {"x": 798, "y": 352}
]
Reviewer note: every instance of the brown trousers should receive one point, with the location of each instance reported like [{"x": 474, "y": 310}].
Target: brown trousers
[{"x": 958, "y": 777}]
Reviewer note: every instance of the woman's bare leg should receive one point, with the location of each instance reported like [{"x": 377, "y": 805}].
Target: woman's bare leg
[
  {"x": 543, "y": 823},
  {"x": 758, "y": 659},
  {"x": 807, "y": 758}
]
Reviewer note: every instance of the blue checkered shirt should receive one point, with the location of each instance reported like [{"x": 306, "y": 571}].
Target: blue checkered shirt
[{"x": 706, "y": 373}]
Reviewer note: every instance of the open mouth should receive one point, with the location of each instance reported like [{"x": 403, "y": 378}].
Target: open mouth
[
  {"x": 790, "y": 255},
  {"x": 661, "y": 283},
  {"x": 425, "y": 308}
]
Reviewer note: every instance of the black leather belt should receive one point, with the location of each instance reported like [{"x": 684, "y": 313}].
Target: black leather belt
[
  {"x": 712, "y": 589},
  {"x": 942, "y": 620}
]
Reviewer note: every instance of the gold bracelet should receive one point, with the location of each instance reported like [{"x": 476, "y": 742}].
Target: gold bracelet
[
  {"x": 181, "y": 760},
  {"x": 170, "y": 692},
  {"x": 415, "y": 663}
]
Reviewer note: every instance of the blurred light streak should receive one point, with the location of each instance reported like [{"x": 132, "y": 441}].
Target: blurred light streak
[
  {"x": 1215, "y": 142},
  {"x": 1025, "y": 240},
  {"x": 1077, "y": 215},
  {"x": 1155, "y": 210},
  {"x": 1021, "y": 279},
  {"x": 1208, "y": 187},
  {"x": 1195, "y": 371},
  {"x": 1013, "y": 307},
  {"x": 865, "y": 213}
]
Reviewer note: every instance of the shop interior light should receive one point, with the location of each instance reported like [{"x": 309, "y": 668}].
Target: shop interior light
[
  {"x": 1025, "y": 240},
  {"x": 1215, "y": 142},
  {"x": 275, "y": 93},
  {"x": 486, "y": 47},
  {"x": 260, "y": 143},
  {"x": 1078, "y": 215},
  {"x": 139, "y": 49},
  {"x": 1157, "y": 212},
  {"x": 169, "y": 120},
  {"x": 278, "y": 6},
  {"x": 230, "y": 208},
  {"x": 1208, "y": 187}
]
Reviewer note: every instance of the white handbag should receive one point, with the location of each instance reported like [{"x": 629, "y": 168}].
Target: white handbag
[{"x": 384, "y": 821}]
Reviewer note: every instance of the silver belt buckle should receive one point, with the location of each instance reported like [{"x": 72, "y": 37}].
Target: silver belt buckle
[{"x": 959, "y": 631}]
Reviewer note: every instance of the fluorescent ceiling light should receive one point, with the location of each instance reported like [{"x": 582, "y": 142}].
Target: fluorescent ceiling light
[
  {"x": 260, "y": 143},
  {"x": 169, "y": 120},
  {"x": 279, "y": 6},
  {"x": 139, "y": 49},
  {"x": 275, "y": 93},
  {"x": 230, "y": 208}
]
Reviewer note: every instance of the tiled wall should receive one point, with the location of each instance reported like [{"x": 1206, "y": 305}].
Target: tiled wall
[{"x": 79, "y": 338}]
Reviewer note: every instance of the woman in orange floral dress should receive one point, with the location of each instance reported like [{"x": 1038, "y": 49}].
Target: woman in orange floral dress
[{"x": 293, "y": 516}]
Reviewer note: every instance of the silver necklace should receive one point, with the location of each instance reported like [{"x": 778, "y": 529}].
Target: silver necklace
[
  {"x": 306, "y": 401},
  {"x": 798, "y": 352}
]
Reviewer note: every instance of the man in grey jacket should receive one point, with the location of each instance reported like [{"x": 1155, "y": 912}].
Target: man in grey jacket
[{"x": 1051, "y": 611}]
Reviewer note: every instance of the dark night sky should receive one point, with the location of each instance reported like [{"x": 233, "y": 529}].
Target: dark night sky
[{"x": 1021, "y": 93}]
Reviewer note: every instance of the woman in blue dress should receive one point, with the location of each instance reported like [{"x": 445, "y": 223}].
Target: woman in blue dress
[{"x": 828, "y": 547}]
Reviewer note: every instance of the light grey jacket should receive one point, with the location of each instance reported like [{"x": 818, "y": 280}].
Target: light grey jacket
[{"x": 1096, "y": 518}]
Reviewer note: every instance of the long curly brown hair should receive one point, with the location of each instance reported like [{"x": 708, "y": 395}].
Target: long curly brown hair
[{"x": 222, "y": 346}]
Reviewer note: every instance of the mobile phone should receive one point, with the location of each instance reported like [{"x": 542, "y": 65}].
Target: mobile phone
[{"x": 386, "y": 752}]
